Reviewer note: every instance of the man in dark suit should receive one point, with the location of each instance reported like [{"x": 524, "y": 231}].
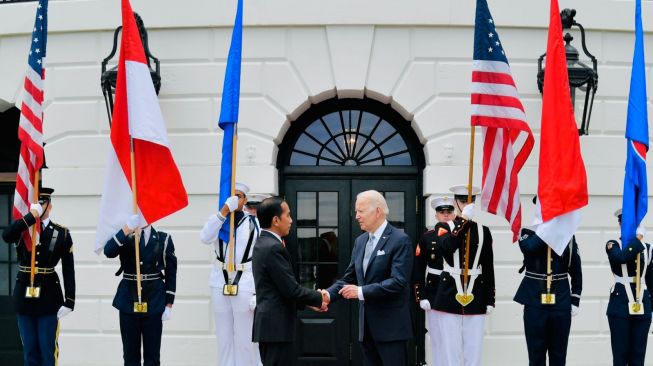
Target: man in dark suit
[
  {"x": 39, "y": 313},
  {"x": 278, "y": 295},
  {"x": 379, "y": 277}
]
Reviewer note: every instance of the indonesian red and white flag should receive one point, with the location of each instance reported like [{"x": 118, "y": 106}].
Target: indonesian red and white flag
[
  {"x": 137, "y": 116},
  {"x": 562, "y": 184}
]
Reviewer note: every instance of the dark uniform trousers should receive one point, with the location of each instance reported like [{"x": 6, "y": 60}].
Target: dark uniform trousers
[
  {"x": 37, "y": 317},
  {"x": 159, "y": 263},
  {"x": 547, "y": 326},
  {"x": 629, "y": 333},
  {"x": 277, "y": 353}
]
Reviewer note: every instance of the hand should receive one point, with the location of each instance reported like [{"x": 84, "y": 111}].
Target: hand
[
  {"x": 132, "y": 222},
  {"x": 574, "y": 310},
  {"x": 232, "y": 203},
  {"x": 326, "y": 300},
  {"x": 63, "y": 311},
  {"x": 349, "y": 292},
  {"x": 641, "y": 231},
  {"x": 468, "y": 212},
  {"x": 252, "y": 303},
  {"x": 36, "y": 209},
  {"x": 489, "y": 309},
  {"x": 425, "y": 305},
  {"x": 167, "y": 312}
]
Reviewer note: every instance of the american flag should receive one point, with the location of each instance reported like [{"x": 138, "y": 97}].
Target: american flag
[
  {"x": 30, "y": 128},
  {"x": 507, "y": 138}
]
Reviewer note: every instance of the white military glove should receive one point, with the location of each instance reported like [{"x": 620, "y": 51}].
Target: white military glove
[
  {"x": 252, "y": 303},
  {"x": 36, "y": 207},
  {"x": 468, "y": 212},
  {"x": 166, "y": 314},
  {"x": 574, "y": 310},
  {"x": 132, "y": 222},
  {"x": 63, "y": 311},
  {"x": 489, "y": 309},
  {"x": 232, "y": 203},
  {"x": 425, "y": 305},
  {"x": 641, "y": 232}
]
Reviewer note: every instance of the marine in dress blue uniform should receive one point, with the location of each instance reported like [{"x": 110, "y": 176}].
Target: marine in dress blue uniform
[
  {"x": 629, "y": 332},
  {"x": 427, "y": 270},
  {"x": 547, "y": 326},
  {"x": 158, "y": 281},
  {"x": 38, "y": 317}
]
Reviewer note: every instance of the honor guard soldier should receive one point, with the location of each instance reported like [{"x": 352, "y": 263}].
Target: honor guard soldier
[
  {"x": 232, "y": 287},
  {"x": 465, "y": 294},
  {"x": 40, "y": 309},
  {"x": 629, "y": 312},
  {"x": 548, "y": 304},
  {"x": 427, "y": 271},
  {"x": 143, "y": 320}
]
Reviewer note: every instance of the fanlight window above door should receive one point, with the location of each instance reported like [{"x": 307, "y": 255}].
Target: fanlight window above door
[{"x": 350, "y": 137}]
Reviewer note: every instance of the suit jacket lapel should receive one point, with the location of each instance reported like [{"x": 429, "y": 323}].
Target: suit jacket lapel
[{"x": 379, "y": 246}]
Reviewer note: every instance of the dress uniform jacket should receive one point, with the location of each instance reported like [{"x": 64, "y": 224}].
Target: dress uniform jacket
[
  {"x": 55, "y": 245},
  {"x": 158, "y": 270},
  {"x": 618, "y": 304},
  {"x": 452, "y": 243},
  {"x": 533, "y": 284},
  {"x": 427, "y": 267}
]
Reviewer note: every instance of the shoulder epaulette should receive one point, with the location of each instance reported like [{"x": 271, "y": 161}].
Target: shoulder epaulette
[{"x": 59, "y": 226}]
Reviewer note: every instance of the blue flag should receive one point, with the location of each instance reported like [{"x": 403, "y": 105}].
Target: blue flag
[
  {"x": 229, "y": 112},
  {"x": 635, "y": 198}
]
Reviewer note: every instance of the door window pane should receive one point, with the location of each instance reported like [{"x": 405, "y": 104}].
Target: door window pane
[
  {"x": 395, "y": 202},
  {"x": 306, "y": 241},
  {"x": 306, "y": 215},
  {"x": 327, "y": 274},
  {"x": 328, "y": 245},
  {"x": 307, "y": 275},
  {"x": 328, "y": 204},
  {"x": 4, "y": 212}
]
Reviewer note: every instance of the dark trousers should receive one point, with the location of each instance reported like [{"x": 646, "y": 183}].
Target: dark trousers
[
  {"x": 277, "y": 353},
  {"x": 628, "y": 337},
  {"x": 39, "y": 336},
  {"x": 547, "y": 331},
  {"x": 382, "y": 353},
  {"x": 137, "y": 328}
]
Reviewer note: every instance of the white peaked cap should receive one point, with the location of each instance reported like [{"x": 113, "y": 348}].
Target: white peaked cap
[
  {"x": 242, "y": 187},
  {"x": 440, "y": 201},
  {"x": 257, "y": 197},
  {"x": 461, "y": 190}
]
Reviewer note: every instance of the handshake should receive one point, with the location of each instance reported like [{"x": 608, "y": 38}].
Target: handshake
[{"x": 326, "y": 299}]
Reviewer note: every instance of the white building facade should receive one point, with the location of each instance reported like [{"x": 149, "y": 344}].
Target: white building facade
[{"x": 413, "y": 58}]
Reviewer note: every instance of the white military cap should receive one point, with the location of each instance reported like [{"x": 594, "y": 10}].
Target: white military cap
[
  {"x": 242, "y": 187},
  {"x": 617, "y": 213},
  {"x": 442, "y": 202},
  {"x": 461, "y": 190},
  {"x": 256, "y": 197}
]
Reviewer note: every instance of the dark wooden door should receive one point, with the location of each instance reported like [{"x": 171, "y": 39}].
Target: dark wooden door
[
  {"x": 11, "y": 350},
  {"x": 321, "y": 243}
]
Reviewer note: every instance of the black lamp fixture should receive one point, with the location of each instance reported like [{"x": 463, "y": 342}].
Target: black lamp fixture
[
  {"x": 109, "y": 77},
  {"x": 583, "y": 79}
]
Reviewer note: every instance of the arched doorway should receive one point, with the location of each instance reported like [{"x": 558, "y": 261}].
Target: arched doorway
[
  {"x": 11, "y": 348},
  {"x": 333, "y": 151}
]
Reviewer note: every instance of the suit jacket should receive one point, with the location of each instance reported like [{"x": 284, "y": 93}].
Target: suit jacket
[
  {"x": 533, "y": 285},
  {"x": 157, "y": 257},
  {"x": 618, "y": 304},
  {"x": 278, "y": 294},
  {"x": 55, "y": 244},
  {"x": 452, "y": 243},
  {"x": 385, "y": 285}
]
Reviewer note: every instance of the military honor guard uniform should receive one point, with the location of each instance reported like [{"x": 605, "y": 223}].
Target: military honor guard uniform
[
  {"x": 629, "y": 313},
  {"x": 427, "y": 270},
  {"x": 232, "y": 289},
  {"x": 547, "y": 313},
  {"x": 462, "y": 302},
  {"x": 39, "y": 312},
  {"x": 158, "y": 268}
]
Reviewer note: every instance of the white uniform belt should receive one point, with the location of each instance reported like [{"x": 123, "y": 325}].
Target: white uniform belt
[
  {"x": 144, "y": 276},
  {"x": 245, "y": 267},
  {"x": 459, "y": 271},
  {"x": 434, "y": 271},
  {"x": 542, "y": 276},
  {"x": 628, "y": 280}
]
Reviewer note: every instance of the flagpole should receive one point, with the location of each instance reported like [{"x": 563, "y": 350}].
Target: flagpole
[
  {"x": 32, "y": 271},
  {"x": 138, "y": 307},
  {"x": 230, "y": 264},
  {"x": 469, "y": 200}
]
